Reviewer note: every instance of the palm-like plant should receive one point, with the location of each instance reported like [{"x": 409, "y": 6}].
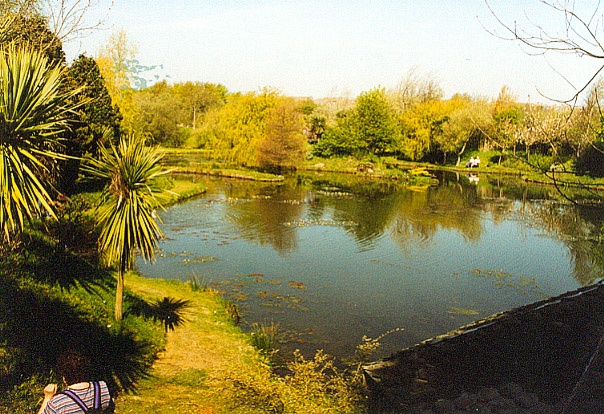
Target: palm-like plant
[
  {"x": 5, "y": 24},
  {"x": 34, "y": 112},
  {"x": 126, "y": 211}
]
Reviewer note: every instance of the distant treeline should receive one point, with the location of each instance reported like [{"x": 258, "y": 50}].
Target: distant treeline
[{"x": 410, "y": 122}]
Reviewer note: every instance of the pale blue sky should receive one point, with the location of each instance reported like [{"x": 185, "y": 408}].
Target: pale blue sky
[{"x": 322, "y": 48}]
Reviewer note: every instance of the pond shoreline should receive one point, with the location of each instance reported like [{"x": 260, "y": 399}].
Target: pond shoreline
[
  {"x": 544, "y": 357},
  {"x": 410, "y": 171}
]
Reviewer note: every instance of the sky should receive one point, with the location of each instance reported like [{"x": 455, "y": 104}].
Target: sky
[{"x": 328, "y": 48}]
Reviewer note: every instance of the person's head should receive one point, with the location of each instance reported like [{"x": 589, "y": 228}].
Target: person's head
[{"x": 73, "y": 367}]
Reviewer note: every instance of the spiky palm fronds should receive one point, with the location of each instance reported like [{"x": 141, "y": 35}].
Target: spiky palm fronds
[
  {"x": 126, "y": 215},
  {"x": 33, "y": 114},
  {"x": 169, "y": 311},
  {"x": 5, "y": 24}
]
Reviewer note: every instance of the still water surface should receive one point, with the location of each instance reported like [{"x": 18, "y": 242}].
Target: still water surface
[{"x": 333, "y": 258}]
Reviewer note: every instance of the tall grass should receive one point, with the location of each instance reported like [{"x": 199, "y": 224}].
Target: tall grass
[
  {"x": 196, "y": 284},
  {"x": 264, "y": 337}
]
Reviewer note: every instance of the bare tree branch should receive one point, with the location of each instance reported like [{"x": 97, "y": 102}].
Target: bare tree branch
[
  {"x": 68, "y": 18},
  {"x": 579, "y": 37}
]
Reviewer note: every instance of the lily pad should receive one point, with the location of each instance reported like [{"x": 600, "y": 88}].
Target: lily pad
[{"x": 463, "y": 311}]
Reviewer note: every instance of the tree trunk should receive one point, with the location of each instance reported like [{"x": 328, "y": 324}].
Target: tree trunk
[
  {"x": 119, "y": 291},
  {"x": 460, "y": 153}
]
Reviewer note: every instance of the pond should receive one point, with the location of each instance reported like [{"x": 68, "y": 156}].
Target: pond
[{"x": 332, "y": 258}]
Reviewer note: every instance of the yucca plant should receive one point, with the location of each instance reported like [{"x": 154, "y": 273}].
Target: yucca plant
[
  {"x": 126, "y": 212},
  {"x": 5, "y": 24},
  {"x": 34, "y": 112}
]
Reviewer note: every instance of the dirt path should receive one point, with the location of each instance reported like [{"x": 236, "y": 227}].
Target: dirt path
[{"x": 206, "y": 347}]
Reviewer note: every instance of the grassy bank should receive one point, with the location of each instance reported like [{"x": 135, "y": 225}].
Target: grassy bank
[
  {"x": 537, "y": 169},
  {"x": 179, "y": 189},
  {"x": 186, "y": 376},
  {"x": 52, "y": 299},
  {"x": 209, "y": 366},
  {"x": 189, "y": 161}
]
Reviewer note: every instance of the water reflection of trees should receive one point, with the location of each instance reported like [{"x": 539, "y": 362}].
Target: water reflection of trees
[
  {"x": 260, "y": 211},
  {"x": 363, "y": 207},
  {"x": 369, "y": 209},
  {"x": 371, "y": 215},
  {"x": 580, "y": 230},
  {"x": 410, "y": 215},
  {"x": 451, "y": 205},
  {"x": 515, "y": 188}
]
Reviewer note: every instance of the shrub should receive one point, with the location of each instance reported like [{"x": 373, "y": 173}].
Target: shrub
[
  {"x": 333, "y": 390},
  {"x": 74, "y": 228},
  {"x": 591, "y": 161}
]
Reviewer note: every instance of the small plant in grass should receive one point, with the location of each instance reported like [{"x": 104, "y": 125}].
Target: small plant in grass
[
  {"x": 25, "y": 397},
  {"x": 253, "y": 393},
  {"x": 196, "y": 285},
  {"x": 232, "y": 312},
  {"x": 264, "y": 338}
]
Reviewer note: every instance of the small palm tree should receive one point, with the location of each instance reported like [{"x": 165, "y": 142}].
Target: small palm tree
[
  {"x": 126, "y": 213},
  {"x": 34, "y": 112}
]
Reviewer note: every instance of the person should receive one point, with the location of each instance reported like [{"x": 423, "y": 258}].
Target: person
[{"x": 75, "y": 371}]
